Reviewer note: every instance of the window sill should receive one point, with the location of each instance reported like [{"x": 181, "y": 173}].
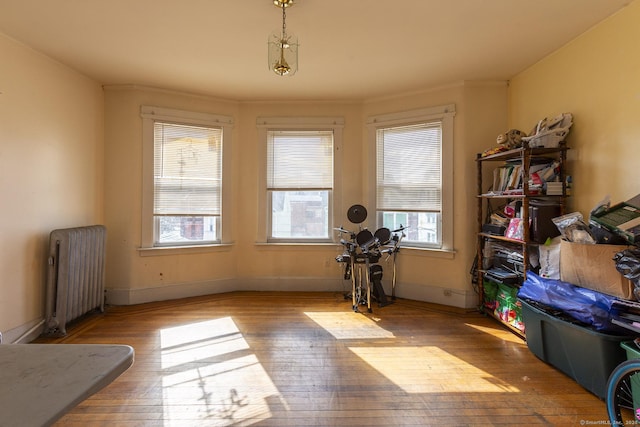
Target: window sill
[
  {"x": 182, "y": 250},
  {"x": 428, "y": 252},
  {"x": 294, "y": 245}
]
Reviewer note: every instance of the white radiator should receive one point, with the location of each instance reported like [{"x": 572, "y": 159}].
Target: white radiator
[{"x": 75, "y": 280}]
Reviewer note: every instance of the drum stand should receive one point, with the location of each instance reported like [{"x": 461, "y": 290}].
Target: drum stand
[
  {"x": 360, "y": 281},
  {"x": 393, "y": 252},
  {"x": 364, "y": 249},
  {"x": 393, "y": 277}
]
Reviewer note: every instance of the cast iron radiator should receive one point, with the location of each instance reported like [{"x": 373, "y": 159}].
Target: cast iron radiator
[{"x": 75, "y": 280}]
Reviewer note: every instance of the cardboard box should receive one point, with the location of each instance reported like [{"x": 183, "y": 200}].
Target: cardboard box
[{"x": 592, "y": 266}]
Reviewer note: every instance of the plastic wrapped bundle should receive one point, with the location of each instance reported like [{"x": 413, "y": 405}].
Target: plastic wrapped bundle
[{"x": 585, "y": 305}]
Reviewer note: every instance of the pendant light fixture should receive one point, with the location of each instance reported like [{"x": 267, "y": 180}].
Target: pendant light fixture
[{"x": 283, "y": 45}]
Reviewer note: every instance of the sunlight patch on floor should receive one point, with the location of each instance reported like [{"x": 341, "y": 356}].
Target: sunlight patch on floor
[
  {"x": 210, "y": 362},
  {"x": 499, "y": 332},
  {"x": 349, "y": 325},
  {"x": 200, "y": 341},
  {"x": 430, "y": 370}
]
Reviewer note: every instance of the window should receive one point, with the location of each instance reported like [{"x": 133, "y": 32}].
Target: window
[
  {"x": 183, "y": 197},
  {"x": 409, "y": 180},
  {"x": 299, "y": 182},
  {"x": 186, "y": 183},
  {"x": 413, "y": 175}
]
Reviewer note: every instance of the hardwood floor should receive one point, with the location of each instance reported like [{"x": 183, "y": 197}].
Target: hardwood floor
[{"x": 306, "y": 359}]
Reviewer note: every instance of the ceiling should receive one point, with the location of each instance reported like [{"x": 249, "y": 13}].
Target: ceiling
[{"x": 349, "y": 49}]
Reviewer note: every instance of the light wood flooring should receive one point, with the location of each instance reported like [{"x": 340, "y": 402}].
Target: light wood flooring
[{"x": 306, "y": 359}]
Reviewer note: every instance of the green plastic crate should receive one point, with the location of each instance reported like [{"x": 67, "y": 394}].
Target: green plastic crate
[{"x": 633, "y": 353}]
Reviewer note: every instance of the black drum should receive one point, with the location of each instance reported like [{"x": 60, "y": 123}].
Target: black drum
[
  {"x": 383, "y": 235},
  {"x": 365, "y": 239}
]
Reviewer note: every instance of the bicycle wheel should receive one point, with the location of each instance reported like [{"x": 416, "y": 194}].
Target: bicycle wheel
[{"x": 622, "y": 383}]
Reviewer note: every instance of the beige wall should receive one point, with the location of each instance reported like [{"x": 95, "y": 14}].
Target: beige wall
[
  {"x": 480, "y": 117},
  {"x": 131, "y": 276},
  {"x": 284, "y": 267},
  {"x": 596, "y": 77},
  {"x": 248, "y": 264},
  {"x": 51, "y": 172}
]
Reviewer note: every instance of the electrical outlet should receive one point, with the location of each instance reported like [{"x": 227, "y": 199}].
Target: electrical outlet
[
  {"x": 0, "y": 337},
  {"x": 447, "y": 292}
]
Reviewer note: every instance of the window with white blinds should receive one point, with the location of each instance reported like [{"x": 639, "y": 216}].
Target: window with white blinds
[
  {"x": 187, "y": 183},
  {"x": 409, "y": 166},
  {"x": 299, "y": 183},
  {"x": 413, "y": 174},
  {"x": 188, "y": 170},
  {"x": 299, "y": 160}
]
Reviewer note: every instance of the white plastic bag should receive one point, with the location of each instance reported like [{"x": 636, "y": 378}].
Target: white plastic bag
[{"x": 550, "y": 259}]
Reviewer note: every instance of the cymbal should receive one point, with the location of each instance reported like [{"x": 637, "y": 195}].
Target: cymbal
[
  {"x": 402, "y": 228},
  {"x": 342, "y": 230},
  {"x": 357, "y": 214}
]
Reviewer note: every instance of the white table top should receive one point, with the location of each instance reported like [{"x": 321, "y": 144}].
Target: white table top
[{"x": 39, "y": 383}]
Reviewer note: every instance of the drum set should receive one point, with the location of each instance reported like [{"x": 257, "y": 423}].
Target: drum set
[{"x": 361, "y": 256}]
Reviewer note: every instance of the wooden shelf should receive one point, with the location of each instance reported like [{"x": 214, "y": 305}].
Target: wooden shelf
[
  {"x": 513, "y": 285},
  {"x": 511, "y": 154},
  {"x": 523, "y": 193},
  {"x": 521, "y": 196},
  {"x": 502, "y": 238}
]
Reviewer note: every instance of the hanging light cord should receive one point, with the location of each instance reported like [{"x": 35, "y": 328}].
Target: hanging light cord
[{"x": 284, "y": 24}]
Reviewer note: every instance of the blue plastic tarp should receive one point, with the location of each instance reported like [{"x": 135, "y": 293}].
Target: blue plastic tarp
[{"x": 585, "y": 305}]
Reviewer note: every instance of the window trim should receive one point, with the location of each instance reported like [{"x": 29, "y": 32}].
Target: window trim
[
  {"x": 445, "y": 115},
  {"x": 266, "y": 124},
  {"x": 150, "y": 115}
]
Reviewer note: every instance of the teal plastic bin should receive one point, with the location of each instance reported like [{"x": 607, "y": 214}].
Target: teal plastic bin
[{"x": 585, "y": 355}]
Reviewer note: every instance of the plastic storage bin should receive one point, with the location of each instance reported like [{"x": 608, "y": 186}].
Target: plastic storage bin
[{"x": 585, "y": 355}]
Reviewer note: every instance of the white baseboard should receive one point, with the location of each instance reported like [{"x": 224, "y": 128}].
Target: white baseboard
[
  {"x": 120, "y": 296},
  {"x": 451, "y": 297},
  {"x": 459, "y": 298},
  {"x": 185, "y": 290},
  {"x": 23, "y": 334}
]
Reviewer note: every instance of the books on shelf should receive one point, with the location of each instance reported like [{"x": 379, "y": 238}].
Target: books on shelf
[
  {"x": 508, "y": 179},
  {"x": 554, "y": 189}
]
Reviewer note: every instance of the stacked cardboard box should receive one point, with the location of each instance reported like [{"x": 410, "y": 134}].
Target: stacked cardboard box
[{"x": 592, "y": 266}]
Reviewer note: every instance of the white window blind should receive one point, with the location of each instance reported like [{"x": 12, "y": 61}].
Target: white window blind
[
  {"x": 409, "y": 168},
  {"x": 187, "y": 170},
  {"x": 299, "y": 160}
]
